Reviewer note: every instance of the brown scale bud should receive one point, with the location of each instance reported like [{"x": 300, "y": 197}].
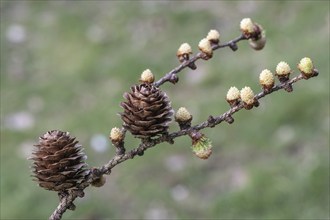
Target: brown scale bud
[
  {"x": 99, "y": 181},
  {"x": 174, "y": 78},
  {"x": 229, "y": 119}
]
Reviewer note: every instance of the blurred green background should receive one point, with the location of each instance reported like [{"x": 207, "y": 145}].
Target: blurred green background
[{"x": 66, "y": 64}]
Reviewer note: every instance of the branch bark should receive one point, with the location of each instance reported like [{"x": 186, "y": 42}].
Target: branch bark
[
  {"x": 67, "y": 200},
  {"x": 168, "y": 76}
]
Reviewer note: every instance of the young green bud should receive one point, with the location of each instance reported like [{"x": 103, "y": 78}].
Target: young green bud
[
  {"x": 201, "y": 145},
  {"x": 233, "y": 96},
  {"x": 213, "y": 36},
  {"x": 147, "y": 77},
  {"x": 266, "y": 80},
  {"x": 306, "y": 68},
  {"x": 306, "y": 65},
  {"x": 205, "y": 46}
]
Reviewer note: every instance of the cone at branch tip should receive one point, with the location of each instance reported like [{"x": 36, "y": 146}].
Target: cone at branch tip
[
  {"x": 306, "y": 65},
  {"x": 306, "y": 68}
]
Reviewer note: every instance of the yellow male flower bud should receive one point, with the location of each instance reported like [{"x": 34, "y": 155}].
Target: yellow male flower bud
[
  {"x": 266, "y": 79},
  {"x": 306, "y": 65},
  {"x": 247, "y": 96},
  {"x": 213, "y": 36},
  {"x": 147, "y": 77},
  {"x": 306, "y": 68},
  {"x": 183, "y": 115},
  {"x": 205, "y": 46},
  {"x": 247, "y": 26},
  {"x": 184, "y": 50},
  {"x": 116, "y": 135},
  {"x": 233, "y": 96},
  {"x": 183, "y": 54},
  {"x": 283, "y": 69}
]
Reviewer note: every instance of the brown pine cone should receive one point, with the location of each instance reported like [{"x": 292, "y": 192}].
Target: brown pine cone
[
  {"x": 59, "y": 162},
  {"x": 147, "y": 111}
]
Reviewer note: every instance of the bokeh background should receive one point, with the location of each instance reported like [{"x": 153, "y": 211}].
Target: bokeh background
[{"x": 66, "y": 64}]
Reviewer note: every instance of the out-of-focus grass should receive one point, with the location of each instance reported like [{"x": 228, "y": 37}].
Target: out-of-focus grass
[{"x": 65, "y": 65}]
